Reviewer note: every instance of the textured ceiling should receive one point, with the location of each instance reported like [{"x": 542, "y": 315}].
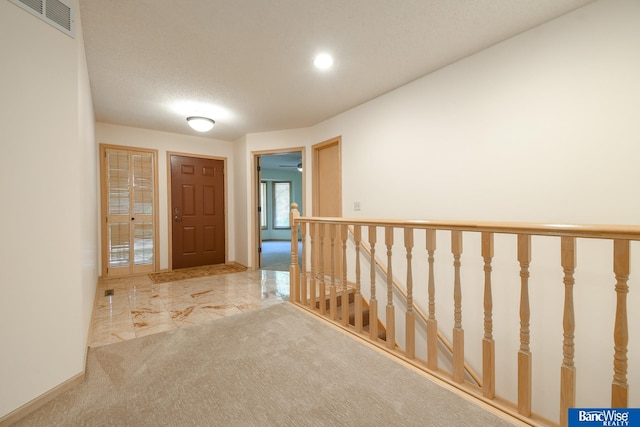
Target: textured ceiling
[{"x": 248, "y": 63}]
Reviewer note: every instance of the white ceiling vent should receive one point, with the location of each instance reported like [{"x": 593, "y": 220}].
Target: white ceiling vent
[{"x": 57, "y": 13}]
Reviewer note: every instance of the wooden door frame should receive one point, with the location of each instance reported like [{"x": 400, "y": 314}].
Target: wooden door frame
[
  {"x": 315, "y": 171},
  {"x": 255, "y": 194},
  {"x": 104, "y": 202},
  {"x": 170, "y": 215}
]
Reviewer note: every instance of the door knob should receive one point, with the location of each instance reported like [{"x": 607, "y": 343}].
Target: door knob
[{"x": 177, "y": 218}]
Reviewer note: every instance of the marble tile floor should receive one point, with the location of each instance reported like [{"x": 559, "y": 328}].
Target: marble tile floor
[{"x": 139, "y": 307}]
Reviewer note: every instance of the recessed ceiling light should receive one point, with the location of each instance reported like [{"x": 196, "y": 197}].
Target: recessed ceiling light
[{"x": 323, "y": 61}]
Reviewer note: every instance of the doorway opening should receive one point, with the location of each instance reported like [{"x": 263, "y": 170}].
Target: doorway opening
[{"x": 278, "y": 182}]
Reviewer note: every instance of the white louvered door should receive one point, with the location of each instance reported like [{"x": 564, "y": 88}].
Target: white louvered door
[{"x": 128, "y": 178}]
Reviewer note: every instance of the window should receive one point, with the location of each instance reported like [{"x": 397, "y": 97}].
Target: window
[
  {"x": 263, "y": 204},
  {"x": 281, "y": 204}
]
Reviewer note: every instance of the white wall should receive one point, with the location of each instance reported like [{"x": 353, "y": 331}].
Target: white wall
[
  {"x": 47, "y": 221},
  {"x": 90, "y": 188},
  {"x": 548, "y": 118},
  {"x": 169, "y": 142},
  {"x": 542, "y": 127},
  {"x": 242, "y": 199}
]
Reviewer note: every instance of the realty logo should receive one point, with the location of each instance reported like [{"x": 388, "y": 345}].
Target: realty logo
[{"x": 605, "y": 417}]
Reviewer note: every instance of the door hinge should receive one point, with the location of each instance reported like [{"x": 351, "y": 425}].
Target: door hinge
[
  {"x": 259, "y": 208},
  {"x": 258, "y": 168},
  {"x": 260, "y": 249}
]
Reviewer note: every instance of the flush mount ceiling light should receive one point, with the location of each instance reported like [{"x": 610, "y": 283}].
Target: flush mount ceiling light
[
  {"x": 323, "y": 61},
  {"x": 200, "y": 124}
]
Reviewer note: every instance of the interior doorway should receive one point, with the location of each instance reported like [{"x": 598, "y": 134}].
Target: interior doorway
[{"x": 278, "y": 181}]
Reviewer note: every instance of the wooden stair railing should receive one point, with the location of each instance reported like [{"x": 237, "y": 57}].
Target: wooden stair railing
[
  {"x": 429, "y": 322},
  {"x": 309, "y": 289}
]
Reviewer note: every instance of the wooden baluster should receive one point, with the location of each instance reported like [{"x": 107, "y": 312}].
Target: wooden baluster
[
  {"x": 313, "y": 228},
  {"x": 304, "y": 293},
  {"x": 488, "y": 345},
  {"x": 357, "y": 237},
  {"x": 411, "y": 315},
  {"x": 621, "y": 268},
  {"x": 294, "y": 268},
  {"x": 323, "y": 287},
  {"x": 344, "y": 234},
  {"x": 391, "y": 316},
  {"x": 333, "y": 297},
  {"x": 524, "y": 354},
  {"x": 458, "y": 332},
  {"x": 432, "y": 323},
  {"x": 373, "y": 302},
  {"x": 568, "y": 369}
]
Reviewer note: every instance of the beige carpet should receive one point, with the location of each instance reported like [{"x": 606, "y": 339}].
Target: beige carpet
[
  {"x": 190, "y": 273},
  {"x": 276, "y": 366}
]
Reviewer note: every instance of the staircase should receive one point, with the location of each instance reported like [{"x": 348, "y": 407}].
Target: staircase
[{"x": 349, "y": 295}]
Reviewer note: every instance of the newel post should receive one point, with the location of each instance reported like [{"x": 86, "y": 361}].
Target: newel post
[{"x": 294, "y": 269}]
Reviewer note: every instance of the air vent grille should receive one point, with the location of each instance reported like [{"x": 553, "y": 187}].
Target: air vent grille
[
  {"x": 56, "y": 13},
  {"x": 59, "y": 13},
  {"x": 37, "y": 5}
]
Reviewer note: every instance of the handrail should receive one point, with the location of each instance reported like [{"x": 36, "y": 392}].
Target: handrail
[
  {"x": 598, "y": 231},
  {"x": 421, "y": 314}
]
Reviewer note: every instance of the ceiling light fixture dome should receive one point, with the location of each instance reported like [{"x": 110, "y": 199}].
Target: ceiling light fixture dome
[{"x": 200, "y": 124}]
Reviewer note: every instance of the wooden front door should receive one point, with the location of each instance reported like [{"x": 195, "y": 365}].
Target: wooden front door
[{"x": 197, "y": 211}]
